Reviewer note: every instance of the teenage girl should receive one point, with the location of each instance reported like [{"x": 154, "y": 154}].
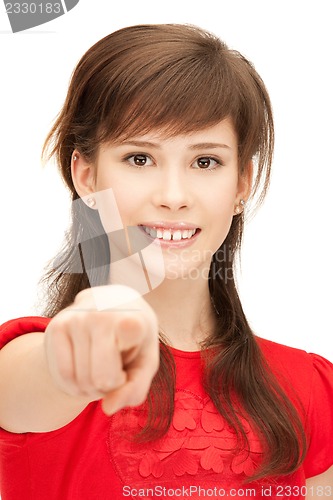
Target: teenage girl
[{"x": 143, "y": 377}]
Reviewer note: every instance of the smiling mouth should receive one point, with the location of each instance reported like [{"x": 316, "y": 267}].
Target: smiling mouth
[{"x": 170, "y": 234}]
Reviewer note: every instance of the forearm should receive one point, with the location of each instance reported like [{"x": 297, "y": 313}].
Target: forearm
[{"x": 29, "y": 399}]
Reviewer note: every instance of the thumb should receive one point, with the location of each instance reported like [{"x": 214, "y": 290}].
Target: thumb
[{"x": 124, "y": 396}]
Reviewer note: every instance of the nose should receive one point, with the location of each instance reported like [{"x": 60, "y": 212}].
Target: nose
[{"x": 173, "y": 192}]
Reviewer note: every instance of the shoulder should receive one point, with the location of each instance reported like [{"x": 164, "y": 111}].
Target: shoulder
[
  {"x": 284, "y": 357},
  {"x": 19, "y": 326},
  {"x": 290, "y": 360},
  {"x": 308, "y": 375}
]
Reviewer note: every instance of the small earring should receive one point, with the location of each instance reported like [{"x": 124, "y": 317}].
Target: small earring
[
  {"x": 74, "y": 158},
  {"x": 239, "y": 208},
  {"x": 91, "y": 202}
]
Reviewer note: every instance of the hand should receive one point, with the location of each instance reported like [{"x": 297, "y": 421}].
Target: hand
[{"x": 110, "y": 353}]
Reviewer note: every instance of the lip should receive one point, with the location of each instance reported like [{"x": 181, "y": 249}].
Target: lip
[
  {"x": 170, "y": 225},
  {"x": 170, "y": 243}
]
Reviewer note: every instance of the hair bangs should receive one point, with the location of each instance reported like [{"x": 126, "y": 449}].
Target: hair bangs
[{"x": 178, "y": 97}]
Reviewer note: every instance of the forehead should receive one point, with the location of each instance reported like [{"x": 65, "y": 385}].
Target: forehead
[{"x": 222, "y": 133}]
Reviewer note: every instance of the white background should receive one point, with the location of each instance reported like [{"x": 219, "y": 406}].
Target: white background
[{"x": 286, "y": 278}]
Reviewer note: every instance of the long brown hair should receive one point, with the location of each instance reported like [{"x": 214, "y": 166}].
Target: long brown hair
[{"x": 178, "y": 78}]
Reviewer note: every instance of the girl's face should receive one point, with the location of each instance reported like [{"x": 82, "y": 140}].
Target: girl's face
[{"x": 180, "y": 191}]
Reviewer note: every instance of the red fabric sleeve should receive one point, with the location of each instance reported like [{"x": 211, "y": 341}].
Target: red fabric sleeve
[
  {"x": 320, "y": 418},
  {"x": 16, "y": 327}
]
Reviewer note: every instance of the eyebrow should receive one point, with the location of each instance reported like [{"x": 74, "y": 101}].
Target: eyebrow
[{"x": 200, "y": 145}]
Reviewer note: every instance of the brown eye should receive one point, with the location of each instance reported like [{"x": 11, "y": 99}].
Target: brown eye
[
  {"x": 206, "y": 163},
  {"x": 140, "y": 160}
]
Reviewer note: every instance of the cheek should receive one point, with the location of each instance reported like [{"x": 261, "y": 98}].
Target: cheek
[
  {"x": 221, "y": 214},
  {"x": 117, "y": 196},
  {"x": 112, "y": 207},
  {"x": 118, "y": 208},
  {"x": 222, "y": 202}
]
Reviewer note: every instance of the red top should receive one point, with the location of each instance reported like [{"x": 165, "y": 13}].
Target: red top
[{"x": 91, "y": 459}]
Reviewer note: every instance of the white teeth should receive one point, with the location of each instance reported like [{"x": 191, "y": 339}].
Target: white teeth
[
  {"x": 177, "y": 235},
  {"x": 168, "y": 234}
]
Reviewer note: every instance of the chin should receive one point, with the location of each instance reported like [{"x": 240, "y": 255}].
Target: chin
[{"x": 188, "y": 273}]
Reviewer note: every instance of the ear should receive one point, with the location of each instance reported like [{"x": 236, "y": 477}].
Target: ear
[
  {"x": 245, "y": 182},
  {"x": 83, "y": 175}
]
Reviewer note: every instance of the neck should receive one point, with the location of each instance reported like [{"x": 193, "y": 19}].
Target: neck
[{"x": 184, "y": 311}]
